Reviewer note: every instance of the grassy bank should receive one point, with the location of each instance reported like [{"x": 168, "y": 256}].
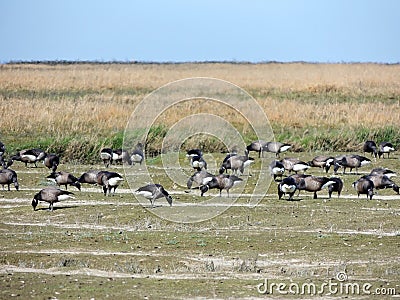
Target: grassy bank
[{"x": 75, "y": 110}]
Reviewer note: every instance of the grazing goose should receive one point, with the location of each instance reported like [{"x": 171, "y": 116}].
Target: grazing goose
[
  {"x": 314, "y": 184},
  {"x": 65, "y": 178},
  {"x": 276, "y": 147},
  {"x": 237, "y": 163},
  {"x": 350, "y": 161},
  {"x": 370, "y": 147},
  {"x": 153, "y": 192},
  {"x": 109, "y": 181},
  {"x": 276, "y": 169},
  {"x": 322, "y": 161},
  {"x": 293, "y": 164},
  {"x": 337, "y": 186},
  {"x": 89, "y": 177},
  {"x": 385, "y": 147},
  {"x": 287, "y": 186},
  {"x": 200, "y": 177},
  {"x": 107, "y": 156},
  {"x": 364, "y": 186},
  {"x": 51, "y": 195},
  {"x": 8, "y": 176},
  {"x": 382, "y": 182},
  {"x": 137, "y": 155},
  {"x": 383, "y": 171},
  {"x": 52, "y": 161},
  {"x": 26, "y": 156},
  {"x": 256, "y": 146},
  {"x": 221, "y": 182}
]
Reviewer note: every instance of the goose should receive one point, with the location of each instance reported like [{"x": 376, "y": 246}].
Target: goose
[
  {"x": 198, "y": 163},
  {"x": 276, "y": 169},
  {"x": 194, "y": 152},
  {"x": 109, "y": 180},
  {"x": 26, "y": 156},
  {"x": 51, "y": 195},
  {"x": 352, "y": 161},
  {"x": 8, "y": 176},
  {"x": 137, "y": 155},
  {"x": 382, "y": 182},
  {"x": 276, "y": 147},
  {"x": 51, "y": 161},
  {"x": 237, "y": 163},
  {"x": 256, "y": 146},
  {"x": 383, "y": 171},
  {"x": 364, "y": 186},
  {"x": 65, "y": 178},
  {"x": 293, "y": 164},
  {"x": 337, "y": 186},
  {"x": 322, "y": 161},
  {"x": 121, "y": 156},
  {"x": 200, "y": 177},
  {"x": 314, "y": 184},
  {"x": 385, "y": 147},
  {"x": 370, "y": 147},
  {"x": 287, "y": 186},
  {"x": 89, "y": 177},
  {"x": 153, "y": 192},
  {"x": 221, "y": 182},
  {"x": 107, "y": 155},
  {"x": 227, "y": 157}
]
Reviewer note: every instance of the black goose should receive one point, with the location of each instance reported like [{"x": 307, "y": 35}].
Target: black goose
[
  {"x": 2, "y": 151},
  {"x": 109, "y": 181},
  {"x": 383, "y": 171},
  {"x": 237, "y": 163},
  {"x": 314, "y": 184},
  {"x": 370, "y": 147},
  {"x": 382, "y": 182},
  {"x": 276, "y": 169},
  {"x": 257, "y": 146},
  {"x": 51, "y": 195},
  {"x": 385, "y": 147},
  {"x": 287, "y": 186},
  {"x": 7, "y": 177},
  {"x": 89, "y": 177},
  {"x": 52, "y": 161},
  {"x": 65, "y": 178},
  {"x": 31, "y": 156},
  {"x": 137, "y": 155},
  {"x": 364, "y": 186},
  {"x": 322, "y": 161},
  {"x": 200, "y": 177},
  {"x": 153, "y": 192},
  {"x": 294, "y": 164},
  {"x": 221, "y": 182},
  {"x": 352, "y": 161},
  {"x": 107, "y": 156},
  {"x": 276, "y": 147}
]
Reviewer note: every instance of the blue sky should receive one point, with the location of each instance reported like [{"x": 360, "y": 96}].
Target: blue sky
[{"x": 180, "y": 31}]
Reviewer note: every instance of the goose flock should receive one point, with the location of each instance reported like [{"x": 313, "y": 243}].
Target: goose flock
[{"x": 203, "y": 180}]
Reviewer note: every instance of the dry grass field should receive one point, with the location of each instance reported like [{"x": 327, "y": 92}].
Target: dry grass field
[{"x": 97, "y": 247}]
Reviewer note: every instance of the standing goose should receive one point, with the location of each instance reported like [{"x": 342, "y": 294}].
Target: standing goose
[
  {"x": 198, "y": 163},
  {"x": 51, "y": 161},
  {"x": 51, "y": 195},
  {"x": 370, "y": 147},
  {"x": 294, "y": 164},
  {"x": 153, "y": 192},
  {"x": 314, "y": 184},
  {"x": 337, "y": 186},
  {"x": 137, "y": 155},
  {"x": 322, "y": 161},
  {"x": 257, "y": 146},
  {"x": 8, "y": 176},
  {"x": 385, "y": 147},
  {"x": 383, "y": 171},
  {"x": 65, "y": 178},
  {"x": 276, "y": 169},
  {"x": 382, "y": 182},
  {"x": 221, "y": 182},
  {"x": 276, "y": 147},
  {"x": 31, "y": 156},
  {"x": 89, "y": 177},
  {"x": 109, "y": 181},
  {"x": 352, "y": 161},
  {"x": 364, "y": 186},
  {"x": 287, "y": 186},
  {"x": 200, "y": 177},
  {"x": 194, "y": 152},
  {"x": 237, "y": 163},
  {"x": 107, "y": 155}
]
